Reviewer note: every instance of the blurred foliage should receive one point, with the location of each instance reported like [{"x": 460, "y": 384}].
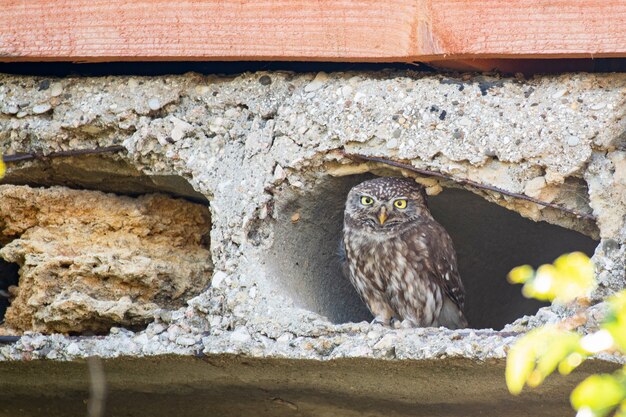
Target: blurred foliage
[
  {"x": 570, "y": 277},
  {"x": 557, "y": 347}
]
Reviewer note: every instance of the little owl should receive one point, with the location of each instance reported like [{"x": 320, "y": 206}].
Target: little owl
[{"x": 399, "y": 259}]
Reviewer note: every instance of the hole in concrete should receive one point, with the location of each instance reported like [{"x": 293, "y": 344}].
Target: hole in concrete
[
  {"x": 108, "y": 173},
  {"x": 490, "y": 240},
  {"x": 90, "y": 261},
  {"x": 9, "y": 277}
]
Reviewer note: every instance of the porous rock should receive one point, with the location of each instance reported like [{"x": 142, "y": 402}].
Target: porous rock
[{"x": 89, "y": 260}]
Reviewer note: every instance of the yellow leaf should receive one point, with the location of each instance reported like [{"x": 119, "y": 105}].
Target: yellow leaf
[
  {"x": 520, "y": 274},
  {"x": 520, "y": 362},
  {"x": 570, "y": 363},
  {"x": 601, "y": 393},
  {"x": 3, "y": 167}
]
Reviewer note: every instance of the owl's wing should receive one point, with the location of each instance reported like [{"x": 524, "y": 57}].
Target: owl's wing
[
  {"x": 444, "y": 262},
  {"x": 342, "y": 258}
]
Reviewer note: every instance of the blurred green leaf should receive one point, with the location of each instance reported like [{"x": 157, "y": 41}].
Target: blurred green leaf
[
  {"x": 570, "y": 277},
  {"x": 600, "y": 393},
  {"x": 615, "y": 321},
  {"x": 537, "y": 354}
]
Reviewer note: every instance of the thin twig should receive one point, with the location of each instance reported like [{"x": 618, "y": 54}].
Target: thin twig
[
  {"x": 470, "y": 183},
  {"x": 26, "y": 156},
  {"x": 5, "y": 340}
]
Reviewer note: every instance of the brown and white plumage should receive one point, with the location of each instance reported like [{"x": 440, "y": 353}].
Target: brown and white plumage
[{"x": 400, "y": 260}]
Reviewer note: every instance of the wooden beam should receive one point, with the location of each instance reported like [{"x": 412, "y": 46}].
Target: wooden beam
[{"x": 310, "y": 30}]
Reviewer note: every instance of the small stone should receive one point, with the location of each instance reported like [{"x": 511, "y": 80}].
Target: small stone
[
  {"x": 373, "y": 335},
  {"x": 317, "y": 83},
  {"x": 458, "y": 134},
  {"x": 157, "y": 328},
  {"x": 346, "y": 91},
  {"x": 72, "y": 349},
  {"x": 295, "y": 217},
  {"x": 202, "y": 90},
  {"x": 52, "y": 355},
  {"x": 597, "y": 106},
  {"x": 44, "y": 85},
  {"x": 142, "y": 339},
  {"x": 284, "y": 338},
  {"x": 265, "y": 80},
  {"x": 392, "y": 144},
  {"x": 559, "y": 93},
  {"x": 240, "y": 335},
  {"x": 396, "y": 133},
  {"x": 185, "y": 341},
  {"x": 218, "y": 279},
  {"x": 56, "y": 89},
  {"x": 387, "y": 342},
  {"x": 177, "y": 134},
  {"x": 21, "y": 114},
  {"x": 42, "y": 108},
  {"x": 573, "y": 141},
  {"x": 279, "y": 173},
  {"x": 12, "y": 110},
  {"x": 154, "y": 104}
]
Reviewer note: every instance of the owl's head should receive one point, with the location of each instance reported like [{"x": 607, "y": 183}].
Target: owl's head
[{"x": 386, "y": 204}]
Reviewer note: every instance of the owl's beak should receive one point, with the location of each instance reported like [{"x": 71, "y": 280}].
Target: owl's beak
[{"x": 382, "y": 215}]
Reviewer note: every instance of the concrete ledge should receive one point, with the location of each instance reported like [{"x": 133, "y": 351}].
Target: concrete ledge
[{"x": 231, "y": 385}]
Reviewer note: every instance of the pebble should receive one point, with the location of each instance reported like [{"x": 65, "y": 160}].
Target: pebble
[
  {"x": 52, "y": 355},
  {"x": 318, "y": 82},
  {"x": 141, "y": 339},
  {"x": 597, "y": 106},
  {"x": 573, "y": 141},
  {"x": 72, "y": 349},
  {"x": 265, "y": 80},
  {"x": 56, "y": 89},
  {"x": 185, "y": 341},
  {"x": 240, "y": 335},
  {"x": 157, "y": 328},
  {"x": 218, "y": 279},
  {"x": 387, "y": 342},
  {"x": 392, "y": 144},
  {"x": 279, "y": 173},
  {"x": 41, "y": 108},
  {"x": 559, "y": 93},
  {"x": 154, "y": 103},
  {"x": 12, "y": 110},
  {"x": 285, "y": 338}
]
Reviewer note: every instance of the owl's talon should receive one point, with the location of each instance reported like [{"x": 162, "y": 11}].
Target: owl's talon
[
  {"x": 395, "y": 323},
  {"x": 378, "y": 320}
]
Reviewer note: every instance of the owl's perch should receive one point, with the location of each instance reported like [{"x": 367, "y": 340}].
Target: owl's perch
[{"x": 468, "y": 182}]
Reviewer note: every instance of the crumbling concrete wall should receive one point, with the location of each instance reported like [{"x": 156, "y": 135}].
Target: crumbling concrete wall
[{"x": 262, "y": 148}]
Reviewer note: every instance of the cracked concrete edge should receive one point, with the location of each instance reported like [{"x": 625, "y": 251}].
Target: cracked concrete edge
[{"x": 243, "y": 141}]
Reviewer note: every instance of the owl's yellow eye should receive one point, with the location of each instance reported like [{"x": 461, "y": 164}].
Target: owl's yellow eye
[
  {"x": 367, "y": 201},
  {"x": 400, "y": 203}
]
